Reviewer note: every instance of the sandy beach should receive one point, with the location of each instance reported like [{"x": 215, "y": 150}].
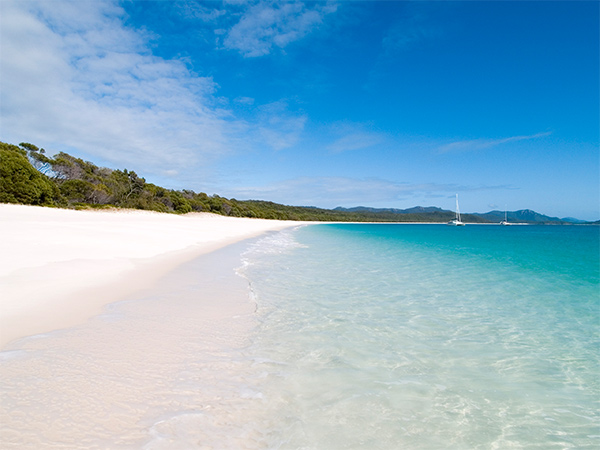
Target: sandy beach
[
  {"x": 59, "y": 267},
  {"x": 125, "y": 329}
]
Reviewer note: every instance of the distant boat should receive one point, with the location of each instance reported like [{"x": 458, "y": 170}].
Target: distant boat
[
  {"x": 505, "y": 221},
  {"x": 456, "y": 222}
]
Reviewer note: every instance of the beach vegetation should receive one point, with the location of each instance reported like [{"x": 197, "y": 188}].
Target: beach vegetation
[
  {"x": 37, "y": 158},
  {"x": 81, "y": 191},
  {"x": 29, "y": 176},
  {"x": 21, "y": 182}
]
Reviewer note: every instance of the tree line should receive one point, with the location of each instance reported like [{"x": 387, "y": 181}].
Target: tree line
[{"x": 28, "y": 176}]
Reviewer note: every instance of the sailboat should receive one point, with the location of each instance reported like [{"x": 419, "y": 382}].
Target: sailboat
[
  {"x": 457, "y": 222},
  {"x": 505, "y": 221}
]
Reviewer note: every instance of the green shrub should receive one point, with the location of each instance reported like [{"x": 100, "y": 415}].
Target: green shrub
[{"x": 20, "y": 182}]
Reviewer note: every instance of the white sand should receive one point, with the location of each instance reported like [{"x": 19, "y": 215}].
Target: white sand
[
  {"x": 170, "y": 368},
  {"x": 59, "y": 267}
]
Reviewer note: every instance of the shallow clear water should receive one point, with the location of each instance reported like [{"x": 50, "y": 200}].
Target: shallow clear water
[{"x": 427, "y": 336}]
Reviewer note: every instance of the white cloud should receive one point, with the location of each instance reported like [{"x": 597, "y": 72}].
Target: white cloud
[
  {"x": 281, "y": 132},
  {"x": 278, "y": 127},
  {"x": 270, "y": 24},
  {"x": 329, "y": 192},
  {"x": 354, "y": 136},
  {"x": 244, "y": 100},
  {"x": 481, "y": 144},
  {"x": 196, "y": 10},
  {"x": 355, "y": 141},
  {"x": 74, "y": 76}
]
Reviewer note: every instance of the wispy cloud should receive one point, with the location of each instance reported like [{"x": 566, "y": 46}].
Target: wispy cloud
[
  {"x": 194, "y": 9},
  {"x": 329, "y": 192},
  {"x": 355, "y": 141},
  {"x": 244, "y": 100},
  {"x": 323, "y": 191},
  {"x": 277, "y": 126},
  {"x": 269, "y": 24},
  {"x": 76, "y": 78},
  {"x": 354, "y": 136},
  {"x": 73, "y": 75},
  {"x": 482, "y": 144}
]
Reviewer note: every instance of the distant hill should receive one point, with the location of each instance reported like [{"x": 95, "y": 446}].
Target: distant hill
[
  {"x": 437, "y": 215},
  {"x": 414, "y": 214},
  {"x": 414, "y": 210},
  {"x": 573, "y": 220},
  {"x": 529, "y": 216},
  {"x": 521, "y": 216}
]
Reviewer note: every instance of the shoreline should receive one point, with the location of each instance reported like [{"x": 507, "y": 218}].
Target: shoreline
[
  {"x": 53, "y": 259},
  {"x": 165, "y": 366}
]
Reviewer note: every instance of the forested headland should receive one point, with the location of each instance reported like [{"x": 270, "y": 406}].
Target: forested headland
[{"x": 28, "y": 176}]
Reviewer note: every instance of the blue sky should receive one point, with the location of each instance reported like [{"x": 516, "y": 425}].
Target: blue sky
[{"x": 347, "y": 103}]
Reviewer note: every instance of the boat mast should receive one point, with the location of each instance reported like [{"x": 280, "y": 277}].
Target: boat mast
[{"x": 457, "y": 210}]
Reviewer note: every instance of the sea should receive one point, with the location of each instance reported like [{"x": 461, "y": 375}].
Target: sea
[
  {"x": 401, "y": 336},
  {"x": 350, "y": 336}
]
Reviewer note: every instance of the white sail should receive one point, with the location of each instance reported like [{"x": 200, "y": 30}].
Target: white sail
[
  {"x": 505, "y": 221},
  {"x": 456, "y": 221}
]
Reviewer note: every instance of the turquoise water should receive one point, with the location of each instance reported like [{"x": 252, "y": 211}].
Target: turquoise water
[{"x": 427, "y": 336}]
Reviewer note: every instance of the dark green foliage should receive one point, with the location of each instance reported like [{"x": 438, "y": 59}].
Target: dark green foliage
[
  {"x": 20, "y": 182},
  {"x": 79, "y": 191},
  {"x": 68, "y": 181},
  {"x": 126, "y": 188},
  {"x": 30, "y": 147},
  {"x": 180, "y": 203}
]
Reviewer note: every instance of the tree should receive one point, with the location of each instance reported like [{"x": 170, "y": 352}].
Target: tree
[
  {"x": 66, "y": 167},
  {"x": 37, "y": 158},
  {"x": 126, "y": 186},
  {"x": 180, "y": 203},
  {"x": 78, "y": 191},
  {"x": 20, "y": 182}
]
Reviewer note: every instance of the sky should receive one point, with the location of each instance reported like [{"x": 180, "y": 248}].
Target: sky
[{"x": 388, "y": 104}]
